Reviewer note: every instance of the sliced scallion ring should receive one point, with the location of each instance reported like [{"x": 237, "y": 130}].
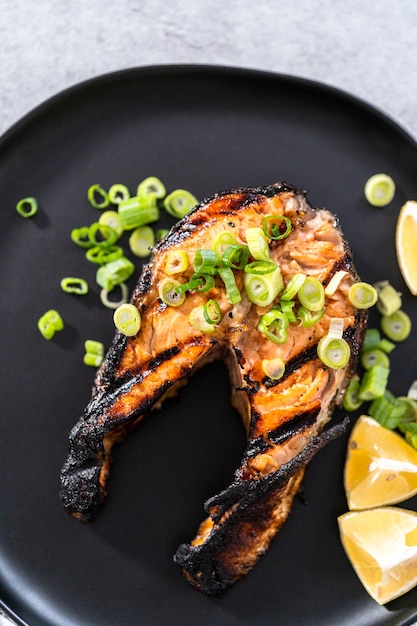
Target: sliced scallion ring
[
  {"x": 141, "y": 241},
  {"x": 369, "y": 358},
  {"x": 293, "y": 286},
  {"x": 273, "y": 368},
  {"x": 113, "y": 304},
  {"x": 98, "y": 197},
  {"x": 224, "y": 240},
  {"x": 336, "y": 326},
  {"x": 309, "y": 318},
  {"x": 152, "y": 186},
  {"x": 263, "y": 289},
  {"x": 127, "y": 319},
  {"x": 273, "y": 325},
  {"x": 258, "y": 244},
  {"x": 167, "y": 290},
  {"x": 260, "y": 267},
  {"x": 389, "y": 299},
  {"x": 232, "y": 291},
  {"x": 50, "y": 323},
  {"x": 351, "y": 401},
  {"x": 311, "y": 294},
  {"x": 374, "y": 382},
  {"x": 118, "y": 193},
  {"x": 197, "y": 320},
  {"x": 94, "y": 353},
  {"x": 362, "y": 295},
  {"x": 212, "y": 312},
  {"x": 138, "y": 211},
  {"x": 205, "y": 262},
  {"x": 236, "y": 256},
  {"x": 27, "y": 207},
  {"x": 276, "y": 226},
  {"x": 179, "y": 202},
  {"x": 114, "y": 273},
  {"x": 333, "y": 352},
  {"x": 333, "y": 284},
  {"x": 78, "y": 286},
  {"x": 101, "y": 255},
  {"x": 111, "y": 218},
  {"x": 102, "y": 235},
  {"x": 379, "y": 190},
  {"x": 176, "y": 262},
  {"x": 396, "y": 326}
]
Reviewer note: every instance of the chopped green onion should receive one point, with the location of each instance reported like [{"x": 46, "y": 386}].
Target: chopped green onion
[
  {"x": 49, "y": 323},
  {"x": 197, "y": 320},
  {"x": 386, "y": 346},
  {"x": 141, "y": 241},
  {"x": 273, "y": 325},
  {"x": 127, "y": 319},
  {"x": 311, "y": 294},
  {"x": 293, "y": 286},
  {"x": 387, "y": 410},
  {"x": 161, "y": 233},
  {"x": 179, "y": 202},
  {"x": 224, "y": 240},
  {"x": 107, "y": 233},
  {"x": 262, "y": 290},
  {"x": 198, "y": 282},
  {"x": 101, "y": 255},
  {"x": 334, "y": 352},
  {"x": 362, "y": 295},
  {"x": 379, "y": 190},
  {"x": 167, "y": 290},
  {"x": 389, "y": 300},
  {"x": 27, "y": 207},
  {"x": 118, "y": 193},
  {"x": 369, "y": 358},
  {"x": 273, "y": 368},
  {"x": 113, "y": 304},
  {"x": 258, "y": 244},
  {"x": 351, "y": 401},
  {"x": 309, "y": 318},
  {"x": 334, "y": 283},
  {"x": 94, "y": 353},
  {"x": 374, "y": 382},
  {"x": 236, "y": 256},
  {"x": 81, "y": 237},
  {"x": 212, "y": 312},
  {"x": 78, "y": 286},
  {"x": 152, "y": 186},
  {"x": 98, "y": 197},
  {"x": 260, "y": 267},
  {"x": 111, "y": 218},
  {"x": 176, "y": 262},
  {"x": 410, "y": 413},
  {"x": 114, "y": 273},
  {"x": 205, "y": 262},
  {"x": 287, "y": 308},
  {"x": 276, "y": 226},
  {"x": 336, "y": 326},
  {"x": 138, "y": 211},
  {"x": 371, "y": 339},
  {"x": 396, "y": 326},
  {"x": 232, "y": 291}
]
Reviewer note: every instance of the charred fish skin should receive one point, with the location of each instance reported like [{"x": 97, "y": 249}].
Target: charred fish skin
[{"x": 283, "y": 419}]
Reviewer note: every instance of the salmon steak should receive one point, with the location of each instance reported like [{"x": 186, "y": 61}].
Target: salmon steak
[{"x": 254, "y": 277}]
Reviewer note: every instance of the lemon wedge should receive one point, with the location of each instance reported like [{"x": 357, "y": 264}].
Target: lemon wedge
[
  {"x": 380, "y": 467},
  {"x": 381, "y": 545},
  {"x": 406, "y": 244}
]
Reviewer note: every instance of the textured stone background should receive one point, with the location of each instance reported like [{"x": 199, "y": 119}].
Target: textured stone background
[{"x": 368, "y": 47}]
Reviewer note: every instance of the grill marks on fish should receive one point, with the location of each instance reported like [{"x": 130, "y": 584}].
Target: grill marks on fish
[{"x": 283, "y": 419}]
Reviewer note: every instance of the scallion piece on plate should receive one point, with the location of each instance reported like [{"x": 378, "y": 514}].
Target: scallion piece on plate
[
  {"x": 262, "y": 290},
  {"x": 138, "y": 211},
  {"x": 334, "y": 283},
  {"x": 98, "y": 197},
  {"x": 389, "y": 299},
  {"x": 388, "y": 410},
  {"x": 258, "y": 244},
  {"x": 276, "y": 226},
  {"x": 141, "y": 241},
  {"x": 161, "y": 233},
  {"x": 79, "y": 286},
  {"x": 273, "y": 325},
  {"x": 113, "y": 304},
  {"x": 111, "y": 218},
  {"x": 205, "y": 262},
  {"x": 179, "y": 202},
  {"x": 127, "y": 319},
  {"x": 81, "y": 237},
  {"x": 197, "y": 320},
  {"x": 232, "y": 291},
  {"x": 374, "y": 382},
  {"x": 224, "y": 240},
  {"x": 118, "y": 193},
  {"x": 94, "y": 353},
  {"x": 333, "y": 352},
  {"x": 114, "y": 273},
  {"x": 379, "y": 190},
  {"x": 309, "y": 318},
  {"x": 49, "y": 323},
  {"x": 369, "y": 358},
  {"x": 260, "y": 267},
  {"x": 176, "y": 262},
  {"x": 102, "y": 235},
  {"x": 212, "y": 312},
  {"x": 371, "y": 339},
  {"x": 152, "y": 186},
  {"x": 273, "y": 368},
  {"x": 236, "y": 256},
  {"x": 102, "y": 255},
  {"x": 27, "y": 207},
  {"x": 167, "y": 290},
  {"x": 396, "y": 326},
  {"x": 311, "y": 294},
  {"x": 351, "y": 401},
  {"x": 362, "y": 295},
  {"x": 287, "y": 307}
]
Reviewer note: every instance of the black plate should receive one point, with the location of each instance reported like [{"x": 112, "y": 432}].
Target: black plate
[{"x": 205, "y": 129}]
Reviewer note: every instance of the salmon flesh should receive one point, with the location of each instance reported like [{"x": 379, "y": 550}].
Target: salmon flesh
[{"x": 284, "y": 419}]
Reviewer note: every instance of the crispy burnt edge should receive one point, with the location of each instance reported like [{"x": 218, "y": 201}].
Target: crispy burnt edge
[
  {"x": 83, "y": 485},
  {"x": 242, "y": 512}
]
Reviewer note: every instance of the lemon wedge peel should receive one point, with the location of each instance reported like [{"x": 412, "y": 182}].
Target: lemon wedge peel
[{"x": 406, "y": 244}]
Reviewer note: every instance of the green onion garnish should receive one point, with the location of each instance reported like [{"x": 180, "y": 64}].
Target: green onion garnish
[
  {"x": 138, "y": 211},
  {"x": 113, "y": 304},
  {"x": 49, "y": 323},
  {"x": 309, "y": 318},
  {"x": 235, "y": 256},
  {"x": 224, "y": 240},
  {"x": 293, "y": 286},
  {"x": 118, "y": 193},
  {"x": 141, "y": 241},
  {"x": 396, "y": 326},
  {"x": 379, "y": 190},
  {"x": 334, "y": 352},
  {"x": 27, "y": 207},
  {"x": 260, "y": 267},
  {"x": 81, "y": 237},
  {"x": 111, "y": 218},
  {"x": 78, "y": 286},
  {"x": 388, "y": 410},
  {"x": 374, "y": 382},
  {"x": 371, "y": 339},
  {"x": 197, "y": 320},
  {"x": 152, "y": 186},
  {"x": 127, "y": 319},
  {"x": 101, "y": 235},
  {"x": 98, "y": 197},
  {"x": 311, "y": 294},
  {"x": 362, "y": 295},
  {"x": 212, "y": 312},
  {"x": 205, "y": 262},
  {"x": 262, "y": 290},
  {"x": 179, "y": 202},
  {"x": 351, "y": 401},
  {"x": 94, "y": 353},
  {"x": 369, "y": 358},
  {"x": 273, "y": 325},
  {"x": 287, "y": 307},
  {"x": 101, "y": 255},
  {"x": 176, "y": 262},
  {"x": 389, "y": 299},
  {"x": 232, "y": 291},
  {"x": 258, "y": 244},
  {"x": 114, "y": 273},
  {"x": 273, "y": 368},
  {"x": 167, "y": 290},
  {"x": 161, "y": 233},
  {"x": 276, "y": 226}
]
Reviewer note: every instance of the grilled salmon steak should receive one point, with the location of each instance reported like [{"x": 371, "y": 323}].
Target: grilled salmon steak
[{"x": 284, "y": 392}]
